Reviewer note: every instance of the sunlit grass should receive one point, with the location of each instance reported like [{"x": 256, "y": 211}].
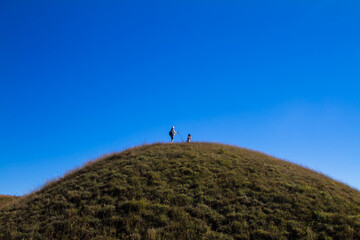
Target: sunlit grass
[{"x": 186, "y": 191}]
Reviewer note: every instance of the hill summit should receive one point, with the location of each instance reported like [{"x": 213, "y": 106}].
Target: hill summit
[{"x": 186, "y": 191}]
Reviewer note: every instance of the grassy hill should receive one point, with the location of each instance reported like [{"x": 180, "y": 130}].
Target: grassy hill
[
  {"x": 187, "y": 191},
  {"x": 6, "y": 200}
]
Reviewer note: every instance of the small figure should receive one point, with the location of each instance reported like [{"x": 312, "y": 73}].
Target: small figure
[
  {"x": 189, "y": 138},
  {"x": 172, "y": 133}
]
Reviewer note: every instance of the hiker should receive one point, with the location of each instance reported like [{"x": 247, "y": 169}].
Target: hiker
[
  {"x": 189, "y": 138},
  {"x": 172, "y": 133}
]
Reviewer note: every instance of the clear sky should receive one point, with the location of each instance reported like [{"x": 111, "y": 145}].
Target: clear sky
[{"x": 79, "y": 79}]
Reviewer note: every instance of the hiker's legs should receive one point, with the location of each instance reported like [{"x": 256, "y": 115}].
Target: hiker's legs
[{"x": 172, "y": 138}]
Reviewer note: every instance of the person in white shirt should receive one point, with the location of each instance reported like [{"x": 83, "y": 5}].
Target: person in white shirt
[
  {"x": 189, "y": 138},
  {"x": 172, "y": 133}
]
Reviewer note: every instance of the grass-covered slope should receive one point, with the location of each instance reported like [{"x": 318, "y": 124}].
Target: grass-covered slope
[
  {"x": 187, "y": 191},
  {"x": 6, "y": 200}
]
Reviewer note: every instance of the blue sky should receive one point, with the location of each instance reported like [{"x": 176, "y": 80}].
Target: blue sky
[{"x": 79, "y": 79}]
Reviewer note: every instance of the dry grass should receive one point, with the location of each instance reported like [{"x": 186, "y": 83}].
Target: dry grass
[
  {"x": 6, "y": 200},
  {"x": 186, "y": 191}
]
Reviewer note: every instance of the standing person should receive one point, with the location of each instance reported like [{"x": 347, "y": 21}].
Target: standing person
[
  {"x": 189, "y": 138},
  {"x": 172, "y": 133}
]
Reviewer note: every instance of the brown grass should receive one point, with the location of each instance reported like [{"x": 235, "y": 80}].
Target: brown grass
[{"x": 186, "y": 191}]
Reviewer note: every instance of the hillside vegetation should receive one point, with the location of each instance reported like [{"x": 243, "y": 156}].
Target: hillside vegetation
[
  {"x": 6, "y": 200},
  {"x": 187, "y": 191}
]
